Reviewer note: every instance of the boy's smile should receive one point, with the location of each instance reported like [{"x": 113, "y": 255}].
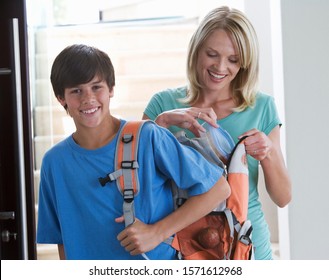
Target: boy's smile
[{"x": 90, "y": 111}]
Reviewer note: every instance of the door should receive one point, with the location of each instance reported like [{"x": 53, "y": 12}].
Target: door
[{"x": 17, "y": 218}]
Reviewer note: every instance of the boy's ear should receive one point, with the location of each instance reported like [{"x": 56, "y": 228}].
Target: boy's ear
[
  {"x": 112, "y": 92},
  {"x": 61, "y": 101}
]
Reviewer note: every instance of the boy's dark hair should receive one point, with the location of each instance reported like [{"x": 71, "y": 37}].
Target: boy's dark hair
[{"x": 79, "y": 64}]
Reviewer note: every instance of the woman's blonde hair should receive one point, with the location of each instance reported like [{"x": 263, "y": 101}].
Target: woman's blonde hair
[{"x": 244, "y": 38}]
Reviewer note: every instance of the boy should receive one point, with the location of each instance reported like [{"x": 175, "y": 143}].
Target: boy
[{"x": 85, "y": 219}]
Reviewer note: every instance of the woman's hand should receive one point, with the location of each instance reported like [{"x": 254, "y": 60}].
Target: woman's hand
[
  {"x": 267, "y": 150},
  {"x": 258, "y": 144},
  {"x": 187, "y": 118},
  {"x": 138, "y": 238}
]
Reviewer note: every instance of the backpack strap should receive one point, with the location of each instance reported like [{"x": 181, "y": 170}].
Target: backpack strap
[
  {"x": 179, "y": 195},
  {"x": 238, "y": 180},
  {"x": 237, "y": 203},
  {"x": 126, "y": 160},
  {"x": 126, "y": 167},
  {"x": 234, "y": 226}
]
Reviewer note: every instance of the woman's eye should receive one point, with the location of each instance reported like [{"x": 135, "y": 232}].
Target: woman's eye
[
  {"x": 212, "y": 54},
  {"x": 233, "y": 60}
]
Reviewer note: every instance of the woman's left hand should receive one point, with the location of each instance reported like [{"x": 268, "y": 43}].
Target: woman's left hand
[{"x": 258, "y": 144}]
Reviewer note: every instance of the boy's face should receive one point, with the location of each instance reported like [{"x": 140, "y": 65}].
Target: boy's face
[{"x": 88, "y": 104}]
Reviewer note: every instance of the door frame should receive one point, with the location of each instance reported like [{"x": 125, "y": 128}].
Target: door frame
[{"x": 16, "y": 186}]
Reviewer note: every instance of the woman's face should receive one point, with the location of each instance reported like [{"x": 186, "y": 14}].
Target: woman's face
[{"x": 218, "y": 62}]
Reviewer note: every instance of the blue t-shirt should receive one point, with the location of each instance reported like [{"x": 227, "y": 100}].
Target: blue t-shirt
[
  {"x": 75, "y": 210},
  {"x": 264, "y": 117}
]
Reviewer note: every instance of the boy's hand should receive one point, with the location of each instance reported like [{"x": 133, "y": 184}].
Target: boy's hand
[{"x": 138, "y": 238}]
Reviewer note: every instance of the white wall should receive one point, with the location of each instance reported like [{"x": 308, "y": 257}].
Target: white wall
[
  {"x": 261, "y": 18},
  {"x": 305, "y": 28}
]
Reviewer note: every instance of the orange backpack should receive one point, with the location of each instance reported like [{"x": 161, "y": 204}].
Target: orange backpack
[{"x": 225, "y": 233}]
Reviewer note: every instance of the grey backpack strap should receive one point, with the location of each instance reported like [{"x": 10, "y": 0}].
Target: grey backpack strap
[
  {"x": 126, "y": 160},
  {"x": 126, "y": 167},
  {"x": 179, "y": 195}
]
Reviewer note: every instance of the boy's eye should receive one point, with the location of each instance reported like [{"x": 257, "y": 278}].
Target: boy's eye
[{"x": 75, "y": 90}]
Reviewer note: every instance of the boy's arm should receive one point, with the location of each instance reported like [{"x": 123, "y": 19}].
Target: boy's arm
[{"x": 140, "y": 238}]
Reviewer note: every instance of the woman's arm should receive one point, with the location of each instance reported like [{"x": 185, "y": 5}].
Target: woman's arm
[
  {"x": 277, "y": 180},
  {"x": 139, "y": 237}
]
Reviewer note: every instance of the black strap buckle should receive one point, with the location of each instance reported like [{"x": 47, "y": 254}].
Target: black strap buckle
[
  {"x": 129, "y": 164},
  {"x": 127, "y": 138},
  {"x": 128, "y": 195}
]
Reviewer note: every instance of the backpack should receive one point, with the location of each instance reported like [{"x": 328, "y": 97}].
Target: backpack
[{"x": 225, "y": 233}]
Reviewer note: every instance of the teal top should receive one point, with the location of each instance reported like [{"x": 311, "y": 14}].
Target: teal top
[{"x": 262, "y": 116}]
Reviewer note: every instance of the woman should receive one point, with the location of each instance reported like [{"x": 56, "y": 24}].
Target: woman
[{"x": 222, "y": 69}]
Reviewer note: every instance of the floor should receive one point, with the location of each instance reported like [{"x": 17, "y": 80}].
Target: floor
[{"x": 49, "y": 252}]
